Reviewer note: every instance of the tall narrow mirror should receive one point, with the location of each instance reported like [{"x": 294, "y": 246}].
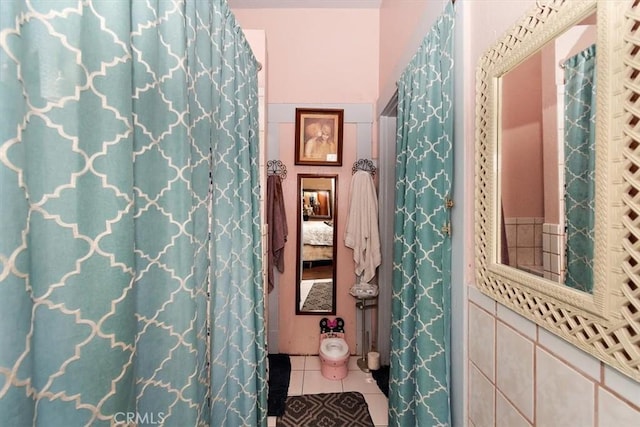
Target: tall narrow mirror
[{"x": 316, "y": 248}]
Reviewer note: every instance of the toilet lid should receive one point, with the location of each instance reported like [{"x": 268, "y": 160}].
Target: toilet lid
[{"x": 335, "y": 348}]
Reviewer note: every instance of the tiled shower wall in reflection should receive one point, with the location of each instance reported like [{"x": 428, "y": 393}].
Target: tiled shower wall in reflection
[
  {"x": 536, "y": 246},
  {"x": 553, "y": 252},
  {"x": 524, "y": 240}
]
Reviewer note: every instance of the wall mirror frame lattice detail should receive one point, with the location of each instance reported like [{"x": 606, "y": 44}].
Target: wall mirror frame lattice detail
[{"x": 606, "y": 322}]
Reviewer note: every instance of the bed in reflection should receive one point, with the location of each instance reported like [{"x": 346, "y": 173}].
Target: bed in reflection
[
  {"x": 317, "y": 241},
  {"x": 316, "y": 286}
]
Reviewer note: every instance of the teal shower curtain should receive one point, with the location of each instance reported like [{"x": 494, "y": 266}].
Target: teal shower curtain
[
  {"x": 128, "y": 198},
  {"x": 579, "y": 172},
  {"x": 421, "y": 301},
  {"x": 238, "y": 360}
]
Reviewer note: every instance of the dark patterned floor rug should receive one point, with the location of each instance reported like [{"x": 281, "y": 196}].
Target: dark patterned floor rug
[
  {"x": 382, "y": 379},
  {"x": 327, "y": 410},
  {"x": 279, "y": 374},
  {"x": 320, "y": 297}
]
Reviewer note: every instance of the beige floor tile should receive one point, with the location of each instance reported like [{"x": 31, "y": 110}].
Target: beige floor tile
[
  {"x": 295, "y": 383},
  {"x": 312, "y": 363},
  {"x": 360, "y": 381},
  {"x": 315, "y": 383},
  {"x": 353, "y": 363},
  {"x": 297, "y": 363},
  {"x": 378, "y": 408}
]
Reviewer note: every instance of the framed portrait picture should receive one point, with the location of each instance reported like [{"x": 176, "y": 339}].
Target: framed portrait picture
[{"x": 319, "y": 137}]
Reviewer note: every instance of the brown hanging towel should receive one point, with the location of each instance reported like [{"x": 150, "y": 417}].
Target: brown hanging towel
[{"x": 277, "y": 223}]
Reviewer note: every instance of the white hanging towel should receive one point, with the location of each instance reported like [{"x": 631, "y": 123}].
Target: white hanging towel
[{"x": 362, "y": 234}]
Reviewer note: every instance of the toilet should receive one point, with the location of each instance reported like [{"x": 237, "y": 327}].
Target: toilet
[{"x": 334, "y": 351}]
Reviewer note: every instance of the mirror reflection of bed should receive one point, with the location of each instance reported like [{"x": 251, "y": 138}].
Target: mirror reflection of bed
[
  {"x": 316, "y": 245},
  {"x": 317, "y": 241},
  {"x": 317, "y": 260}
]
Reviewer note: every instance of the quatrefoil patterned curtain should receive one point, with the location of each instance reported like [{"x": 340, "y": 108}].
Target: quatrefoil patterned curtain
[
  {"x": 579, "y": 170},
  {"x": 130, "y": 268},
  {"x": 421, "y": 300}
]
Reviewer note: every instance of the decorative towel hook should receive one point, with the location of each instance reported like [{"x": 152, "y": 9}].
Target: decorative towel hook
[
  {"x": 364, "y": 165},
  {"x": 276, "y": 167}
]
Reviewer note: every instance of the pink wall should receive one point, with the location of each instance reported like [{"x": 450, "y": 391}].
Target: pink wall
[
  {"x": 318, "y": 55},
  {"x": 551, "y": 158},
  {"x": 299, "y": 334},
  {"x": 395, "y": 37},
  {"x": 521, "y": 146},
  {"x": 403, "y": 25},
  {"x": 315, "y": 57}
]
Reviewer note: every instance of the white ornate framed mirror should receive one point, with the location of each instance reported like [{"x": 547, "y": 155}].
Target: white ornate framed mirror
[{"x": 575, "y": 274}]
